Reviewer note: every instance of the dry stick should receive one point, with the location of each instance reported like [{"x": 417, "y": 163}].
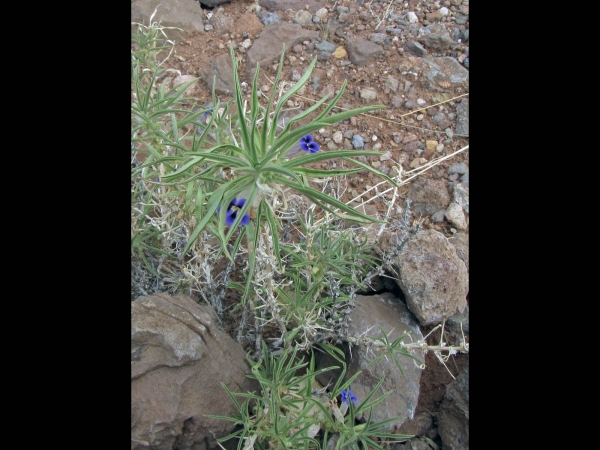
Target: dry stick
[
  {"x": 375, "y": 16},
  {"x": 422, "y": 345},
  {"x": 422, "y": 170},
  {"x": 463, "y": 348},
  {"x": 402, "y": 115}
]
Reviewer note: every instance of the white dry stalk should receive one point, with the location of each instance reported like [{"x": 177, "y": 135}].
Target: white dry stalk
[
  {"x": 402, "y": 124},
  {"x": 415, "y": 173},
  {"x": 263, "y": 282},
  {"x": 157, "y": 26},
  {"x": 370, "y": 343},
  {"x": 385, "y": 15}
]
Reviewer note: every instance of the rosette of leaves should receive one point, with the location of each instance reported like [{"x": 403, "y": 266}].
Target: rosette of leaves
[{"x": 252, "y": 165}]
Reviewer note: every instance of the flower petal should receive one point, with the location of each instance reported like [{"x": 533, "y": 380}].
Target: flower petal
[
  {"x": 313, "y": 147},
  {"x": 239, "y": 203},
  {"x": 306, "y": 139},
  {"x": 230, "y": 217},
  {"x": 245, "y": 220}
]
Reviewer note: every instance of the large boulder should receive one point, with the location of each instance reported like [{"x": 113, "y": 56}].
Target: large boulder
[
  {"x": 179, "y": 357},
  {"x": 266, "y": 50},
  {"x": 428, "y": 195},
  {"x": 184, "y": 14},
  {"x": 433, "y": 278},
  {"x": 221, "y": 68},
  {"x": 453, "y": 419},
  {"x": 360, "y": 51},
  {"x": 371, "y": 312}
]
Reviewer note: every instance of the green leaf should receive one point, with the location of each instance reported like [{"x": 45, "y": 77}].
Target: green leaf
[
  {"x": 325, "y": 173},
  {"x": 321, "y": 199},
  {"x": 327, "y": 155},
  {"x": 239, "y": 103},
  {"x": 213, "y": 203}
]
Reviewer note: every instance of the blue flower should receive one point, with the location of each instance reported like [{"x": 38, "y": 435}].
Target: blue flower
[
  {"x": 308, "y": 144},
  {"x": 232, "y": 210},
  {"x": 348, "y": 395},
  {"x": 208, "y": 111}
]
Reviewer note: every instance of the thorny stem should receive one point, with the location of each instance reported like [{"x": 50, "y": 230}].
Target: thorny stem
[
  {"x": 463, "y": 348},
  {"x": 437, "y": 350}
]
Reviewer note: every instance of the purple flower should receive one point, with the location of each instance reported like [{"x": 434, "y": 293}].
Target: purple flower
[
  {"x": 348, "y": 395},
  {"x": 232, "y": 210},
  {"x": 308, "y": 144}
]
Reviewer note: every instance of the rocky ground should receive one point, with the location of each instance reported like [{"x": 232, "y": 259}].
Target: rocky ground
[
  {"x": 412, "y": 57},
  {"x": 426, "y": 98}
]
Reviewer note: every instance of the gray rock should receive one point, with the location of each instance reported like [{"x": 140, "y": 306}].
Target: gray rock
[
  {"x": 437, "y": 37},
  {"x": 222, "y": 22},
  {"x": 438, "y": 216},
  {"x": 444, "y": 72},
  {"x": 315, "y": 83},
  {"x": 461, "y": 19},
  {"x": 454, "y": 324},
  {"x": 392, "y": 84},
  {"x": 415, "y": 48},
  {"x": 360, "y": 51},
  {"x": 461, "y": 195},
  {"x": 294, "y": 5},
  {"x": 419, "y": 425},
  {"x": 428, "y": 196},
  {"x": 456, "y": 216},
  {"x": 462, "y": 119},
  {"x": 459, "y": 168},
  {"x": 461, "y": 244},
  {"x": 342, "y": 18},
  {"x": 303, "y": 18},
  {"x": 324, "y": 56},
  {"x": 179, "y": 356},
  {"x": 416, "y": 443},
  {"x": 379, "y": 38},
  {"x": 453, "y": 419},
  {"x": 268, "y": 17},
  {"x": 326, "y": 46},
  {"x": 266, "y": 49},
  {"x": 222, "y": 68},
  {"x": 391, "y": 314},
  {"x": 368, "y": 94},
  {"x": 411, "y": 104},
  {"x": 396, "y": 101},
  {"x": 184, "y": 14},
  {"x": 357, "y": 141},
  {"x": 439, "y": 117},
  {"x": 395, "y": 31},
  {"x": 432, "y": 277}
]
